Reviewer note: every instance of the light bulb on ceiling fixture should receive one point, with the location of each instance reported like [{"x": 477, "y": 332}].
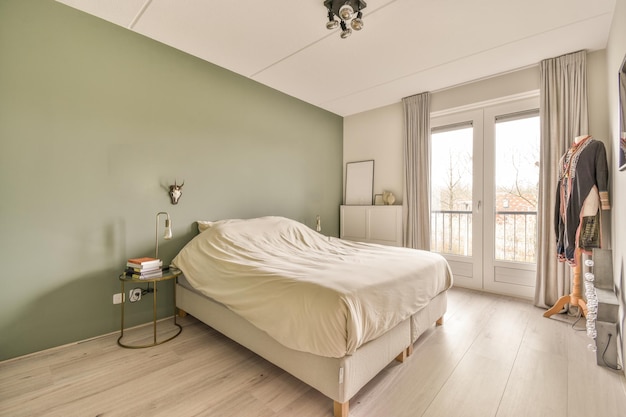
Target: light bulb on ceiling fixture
[
  {"x": 345, "y": 31},
  {"x": 332, "y": 23},
  {"x": 357, "y": 22},
  {"x": 346, "y": 11}
]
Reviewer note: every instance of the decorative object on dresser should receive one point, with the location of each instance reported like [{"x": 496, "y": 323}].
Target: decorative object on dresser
[
  {"x": 389, "y": 198},
  {"x": 359, "y": 183},
  {"x": 310, "y": 304}
]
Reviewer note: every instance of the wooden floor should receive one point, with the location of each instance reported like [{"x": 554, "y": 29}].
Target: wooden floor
[{"x": 494, "y": 356}]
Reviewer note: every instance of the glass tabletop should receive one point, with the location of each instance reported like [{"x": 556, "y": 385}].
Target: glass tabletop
[{"x": 165, "y": 274}]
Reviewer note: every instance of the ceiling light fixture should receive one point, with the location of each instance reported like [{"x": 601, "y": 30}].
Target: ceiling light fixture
[{"x": 345, "y": 10}]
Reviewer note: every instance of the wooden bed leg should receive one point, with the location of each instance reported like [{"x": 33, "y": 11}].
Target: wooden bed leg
[
  {"x": 439, "y": 321},
  {"x": 182, "y": 313},
  {"x": 404, "y": 354},
  {"x": 341, "y": 409}
]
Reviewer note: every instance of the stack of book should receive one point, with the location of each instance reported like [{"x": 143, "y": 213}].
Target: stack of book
[{"x": 144, "y": 268}]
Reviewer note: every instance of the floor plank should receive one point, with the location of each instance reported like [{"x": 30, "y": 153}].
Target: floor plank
[{"x": 495, "y": 356}]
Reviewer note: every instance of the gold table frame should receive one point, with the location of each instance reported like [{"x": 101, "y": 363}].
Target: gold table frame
[{"x": 169, "y": 274}]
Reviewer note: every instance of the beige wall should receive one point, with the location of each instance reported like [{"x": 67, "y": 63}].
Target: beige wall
[
  {"x": 509, "y": 84},
  {"x": 378, "y": 134}
]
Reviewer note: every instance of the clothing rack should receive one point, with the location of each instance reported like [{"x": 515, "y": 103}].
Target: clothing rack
[{"x": 575, "y": 298}]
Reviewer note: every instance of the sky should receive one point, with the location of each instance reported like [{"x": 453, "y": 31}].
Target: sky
[{"x": 516, "y": 154}]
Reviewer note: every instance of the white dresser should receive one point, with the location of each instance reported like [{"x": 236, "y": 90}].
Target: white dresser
[{"x": 375, "y": 224}]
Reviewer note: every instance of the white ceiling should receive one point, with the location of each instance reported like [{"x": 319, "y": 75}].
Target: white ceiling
[{"x": 406, "y": 46}]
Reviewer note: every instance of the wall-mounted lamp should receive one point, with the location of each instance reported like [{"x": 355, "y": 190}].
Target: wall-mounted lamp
[{"x": 168, "y": 231}]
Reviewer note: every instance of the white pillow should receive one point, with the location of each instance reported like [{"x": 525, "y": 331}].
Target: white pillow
[
  {"x": 203, "y": 225},
  {"x": 206, "y": 224}
]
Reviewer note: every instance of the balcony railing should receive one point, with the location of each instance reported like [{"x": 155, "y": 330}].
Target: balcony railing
[
  {"x": 515, "y": 234},
  {"x": 451, "y": 232}
]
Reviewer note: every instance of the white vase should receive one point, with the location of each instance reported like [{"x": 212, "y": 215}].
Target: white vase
[{"x": 388, "y": 198}]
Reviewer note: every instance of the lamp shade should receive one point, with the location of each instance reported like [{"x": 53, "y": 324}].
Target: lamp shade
[
  {"x": 168, "y": 229},
  {"x": 166, "y": 235}
]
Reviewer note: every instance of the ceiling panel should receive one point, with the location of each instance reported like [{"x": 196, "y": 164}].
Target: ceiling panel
[
  {"x": 516, "y": 55},
  {"x": 406, "y": 46},
  {"x": 244, "y": 37},
  {"x": 120, "y": 12}
]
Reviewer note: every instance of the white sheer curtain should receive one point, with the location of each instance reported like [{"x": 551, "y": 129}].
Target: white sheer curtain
[
  {"x": 563, "y": 117},
  {"x": 416, "y": 201}
]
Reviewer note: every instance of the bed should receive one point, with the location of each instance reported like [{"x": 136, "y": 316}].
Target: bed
[{"x": 332, "y": 313}]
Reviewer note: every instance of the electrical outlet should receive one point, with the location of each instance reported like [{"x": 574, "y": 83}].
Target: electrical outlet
[
  {"x": 118, "y": 298},
  {"x": 134, "y": 295}
]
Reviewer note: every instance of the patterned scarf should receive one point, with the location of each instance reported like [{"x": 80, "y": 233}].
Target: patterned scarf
[{"x": 568, "y": 164}]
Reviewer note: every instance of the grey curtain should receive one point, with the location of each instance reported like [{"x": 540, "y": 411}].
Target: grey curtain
[
  {"x": 416, "y": 201},
  {"x": 563, "y": 117}
]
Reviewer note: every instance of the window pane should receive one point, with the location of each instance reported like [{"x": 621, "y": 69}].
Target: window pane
[
  {"x": 451, "y": 190},
  {"x": 517, "y": 186}
]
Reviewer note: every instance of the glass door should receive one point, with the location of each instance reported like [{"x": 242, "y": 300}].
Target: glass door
[
  {"x": 511, "y": 197},
  {"x": 456, "y": 174},
  {"x": 484, "y": 188}
]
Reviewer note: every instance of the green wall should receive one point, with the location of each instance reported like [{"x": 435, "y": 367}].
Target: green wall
[{"x": 94, "y": 121}]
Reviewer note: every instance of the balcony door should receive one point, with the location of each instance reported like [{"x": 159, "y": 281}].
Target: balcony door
[{"x": 484, "y": 184}]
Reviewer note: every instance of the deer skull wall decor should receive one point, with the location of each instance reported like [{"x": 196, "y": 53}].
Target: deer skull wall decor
[{"x": 175, "y": 192}]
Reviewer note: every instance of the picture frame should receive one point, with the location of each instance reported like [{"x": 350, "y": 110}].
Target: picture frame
[{"x": 359, "y": 183}]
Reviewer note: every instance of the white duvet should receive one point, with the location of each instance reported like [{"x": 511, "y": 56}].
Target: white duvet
[{"x": 309, "y": 292}]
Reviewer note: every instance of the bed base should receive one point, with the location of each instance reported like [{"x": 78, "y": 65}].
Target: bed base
[{"x": 337, "y": 378}]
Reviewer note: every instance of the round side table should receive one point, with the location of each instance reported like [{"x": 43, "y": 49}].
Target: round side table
[{"x": 168, "y": 274}]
